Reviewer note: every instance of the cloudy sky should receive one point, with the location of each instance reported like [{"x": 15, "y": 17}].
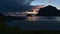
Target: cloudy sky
[
  {"x": 55, "y": 3},
  {"x": 19, "y": 5},
  {"x": 14, "y": 5}
]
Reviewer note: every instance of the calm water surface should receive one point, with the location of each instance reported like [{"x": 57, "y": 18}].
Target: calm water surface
[{"x": 36, "y": 23}]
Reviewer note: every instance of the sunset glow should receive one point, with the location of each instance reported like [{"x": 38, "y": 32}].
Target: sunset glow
[{"x": 34, "y": 12}]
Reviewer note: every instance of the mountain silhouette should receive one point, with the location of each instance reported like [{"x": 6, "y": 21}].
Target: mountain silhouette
[
  {"x": 48, "y": 11},
  {"x": 59, "y": 13},
  {"x": 9, "y": 18}
]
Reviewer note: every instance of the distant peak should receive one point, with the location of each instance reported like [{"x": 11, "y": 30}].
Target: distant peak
[{"x": 50, "y": 6}]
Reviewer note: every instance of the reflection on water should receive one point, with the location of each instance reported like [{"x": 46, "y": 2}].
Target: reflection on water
[
  {"x": 33, "y": 18},
  {"x": 38, "y": 18},
  {"x": 57, "y": 18},
  {"x": 37, "y": 23}
]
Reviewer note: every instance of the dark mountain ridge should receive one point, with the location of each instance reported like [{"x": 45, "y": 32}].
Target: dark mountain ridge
[{"x": 48, "y": 11}]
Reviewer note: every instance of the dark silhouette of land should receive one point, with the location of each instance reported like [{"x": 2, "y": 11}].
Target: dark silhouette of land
[
  {"x": 4, "y": 18},
  {"x": 59, "y": 13},
  {"x": 48, "y": 11},
  {"x": 8, "y": 30},
  {"x": 29, "y": 15}
]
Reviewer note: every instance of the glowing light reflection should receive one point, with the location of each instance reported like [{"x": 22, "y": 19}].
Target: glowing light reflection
[{"x": 33, "y": 18}]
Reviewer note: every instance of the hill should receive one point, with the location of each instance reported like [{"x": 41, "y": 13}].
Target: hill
[{"x": 48, "y": 11}]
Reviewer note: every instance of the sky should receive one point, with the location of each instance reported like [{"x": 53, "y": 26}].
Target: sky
[
  {"x": 14, "y": 5},
  {"x": 23, "y": 5},
  {"x": 55, "y": 3}
]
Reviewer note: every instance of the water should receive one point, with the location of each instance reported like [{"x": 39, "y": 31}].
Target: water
[{"x": 36, "y": 23}]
